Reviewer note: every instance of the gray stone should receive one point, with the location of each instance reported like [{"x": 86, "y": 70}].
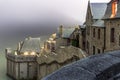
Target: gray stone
[{"x": 98, "y": 67}]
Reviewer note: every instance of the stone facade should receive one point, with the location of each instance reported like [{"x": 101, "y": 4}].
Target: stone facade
[
  {"x": 63, "y": 37},
  {"x": 94, "y": 24},
  {"x": 82, "y": 37},
  {"x": 89, "y": 22},
  {"x": 62, "y": 42},
  {"x": 21, "y": 67},
  {"x": 98, "y": 39},
  {"x": 74, "y": 37},
  {"x": 106, "y": 23},
  {"x": 115, "y": 44},
  {"x": 50, "y": 62},
  {"x": 112, "y": 27}
]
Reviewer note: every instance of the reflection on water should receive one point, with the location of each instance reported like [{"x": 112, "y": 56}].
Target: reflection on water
[{"x": 12, "y": 44}]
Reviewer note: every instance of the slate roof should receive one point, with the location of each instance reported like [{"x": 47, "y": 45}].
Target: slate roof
[
  {"x": 99, "y": 23},
  {"x": 98, "y": 10},
  {"x": 97, "y": 67},
  {"x": 67, "y": 32},
  {"x": 31, "y": 44},
  {"x": 108, "y": 11},
  {"x": 118, "y": 12}
]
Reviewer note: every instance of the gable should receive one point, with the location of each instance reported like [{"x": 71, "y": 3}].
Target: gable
[{"x": 89, "y": 13}]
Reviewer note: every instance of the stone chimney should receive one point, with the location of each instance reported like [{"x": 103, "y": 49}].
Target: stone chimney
[{"x": 61, "y": 30}]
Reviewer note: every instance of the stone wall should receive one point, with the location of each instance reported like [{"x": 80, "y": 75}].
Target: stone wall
[
  {"x": 98, "y": 67},
  {"x": 21, "y": 67},
  {"x": 113, "y": 23},
  {"x": 98, "y": 43},
  {"x": 61, "y": 42},
  {"x": 82, "y": 39},
  {"x": 89, "y": 22},
  {"x": 46, "y": 69}
]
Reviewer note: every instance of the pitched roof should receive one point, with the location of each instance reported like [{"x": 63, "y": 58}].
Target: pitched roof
[
  {"x": 67, "y": 32},
  {"x": 108, "y": 11},
  {"x": 98, "y": 10},
  {"x": 118, "y": 12},
  {"x": 31, "y": 44},
  {"x": 99, "y": 23},
  {"x": 61, "y": 55}
]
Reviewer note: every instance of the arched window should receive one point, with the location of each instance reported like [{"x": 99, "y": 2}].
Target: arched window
[
  {"x": 119, "y": 40},
  {"x": 93, "y": 32},
  {"x": 98, "y": 33},
  {"x": 112, "y": 35}
]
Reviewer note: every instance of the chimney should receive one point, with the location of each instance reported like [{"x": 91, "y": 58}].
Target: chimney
[
  {"x": 19, "y": 46},
  {"x": 114, "y": 8},
  {"x": 61, "y": 30}
]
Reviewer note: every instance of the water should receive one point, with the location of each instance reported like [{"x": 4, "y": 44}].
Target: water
[{"x": 12, "y": 44}]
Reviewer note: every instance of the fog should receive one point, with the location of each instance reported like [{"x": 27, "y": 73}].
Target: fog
[{"x": 40, "y": 17}]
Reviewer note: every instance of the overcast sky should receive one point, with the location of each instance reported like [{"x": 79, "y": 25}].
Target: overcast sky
[{"x": 13, "y": 12}]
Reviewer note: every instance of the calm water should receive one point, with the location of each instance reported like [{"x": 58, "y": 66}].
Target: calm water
[{"x": 12, "y": 44}]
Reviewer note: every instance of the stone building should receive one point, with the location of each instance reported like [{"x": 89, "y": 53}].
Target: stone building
[
  {"x": 95, "y": 30},
  {"x": 98, "y": 37},
  {"x": 31, "y": 62},
  {"x": 50, "y": 62},
  {"x": 21, "y": 63},
  {"x": 82, "y": 37},
  {"x": 112, "y": 22},
  {"x": 78, "y": 37},
  {"x": 74, "y": 37},
  {"x": 63, "y": 36},
  {"x": 50, "y": 45}
]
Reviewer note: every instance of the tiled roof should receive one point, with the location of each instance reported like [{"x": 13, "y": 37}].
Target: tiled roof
[
  {"x": 98, "y": 10},
  {"x": 32, "y": 44},
  {"x": 99, "y": 23}
]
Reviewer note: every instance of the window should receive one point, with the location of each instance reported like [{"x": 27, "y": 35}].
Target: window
[
  {"x": 119, "y": 40},
  {"x": 88, "y": 46},
  {"x": 88, "y": 30},
  {"x": 93, "y": 50},
  {"x": 98, "y": 33},
  {"x": 98, "y": 51},
  {"x": 112, "y": 35},
  {"x": 94, "y": 32}
]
